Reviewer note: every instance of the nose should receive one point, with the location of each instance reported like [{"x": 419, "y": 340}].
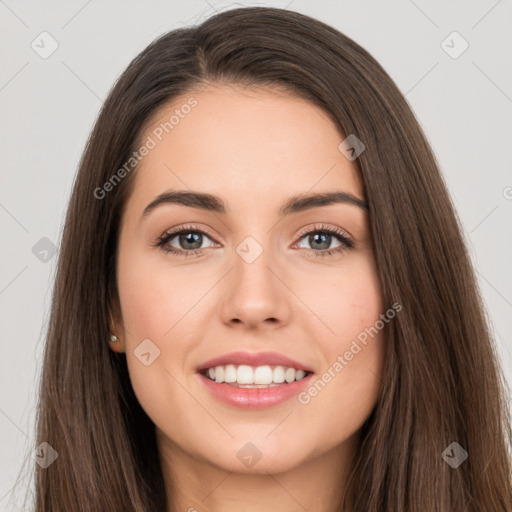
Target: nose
[{"x": 255, "y": 295}]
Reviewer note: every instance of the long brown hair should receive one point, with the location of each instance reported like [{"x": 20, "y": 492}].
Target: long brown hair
[{"x": 442, "y": 380}]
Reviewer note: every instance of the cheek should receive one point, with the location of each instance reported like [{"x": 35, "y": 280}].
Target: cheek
[
  {"x": 346, "y": 389},
  {"x": 156, "y": 304},
  {"x": 155, "y": 297},
  {"x": 344, "y": 394},
  {"x": 347, "y": 300}
]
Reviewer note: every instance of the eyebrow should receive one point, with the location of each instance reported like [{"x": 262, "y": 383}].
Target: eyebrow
[{"x": 211, "y": 203}]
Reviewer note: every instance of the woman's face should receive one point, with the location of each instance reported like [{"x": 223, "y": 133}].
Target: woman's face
[{"x": 251, "y": 279}]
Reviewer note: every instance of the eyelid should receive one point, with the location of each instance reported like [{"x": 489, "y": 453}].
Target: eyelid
[
  {"x": 325, "y": 227},
  {"x": 188, "y": 227},
  {"x": 164, "y": 239}
]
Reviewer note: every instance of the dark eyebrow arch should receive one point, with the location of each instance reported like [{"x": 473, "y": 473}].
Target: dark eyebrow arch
[
  {"x": 296, "y": 204},
  {"x": 305, "y": 202}
]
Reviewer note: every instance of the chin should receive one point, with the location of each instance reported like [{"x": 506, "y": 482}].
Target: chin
[{"x": 254, "y": 457}]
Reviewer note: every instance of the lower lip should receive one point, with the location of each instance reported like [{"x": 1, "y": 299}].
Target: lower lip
[{"x": 254, "y": 398}]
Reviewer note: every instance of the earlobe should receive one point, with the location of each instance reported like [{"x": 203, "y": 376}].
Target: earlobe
[{"x": 116, "y": 344}]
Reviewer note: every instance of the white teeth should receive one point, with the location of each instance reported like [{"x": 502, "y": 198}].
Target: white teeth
[
  {"x": 299, "y": 374},
  {"x": 278, "y": 375},
  {"x": 230, "y": 373},
  {"x": 263, "y": 375},
  {"x": 289, "y": 375},
  {"x": 244, "y": 374},
  {"x": 260, "y": 376},
  {"x": 219, "y": 374}
]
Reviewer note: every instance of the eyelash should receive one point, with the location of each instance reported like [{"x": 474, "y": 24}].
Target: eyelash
[{"x": 346, "y": 243}]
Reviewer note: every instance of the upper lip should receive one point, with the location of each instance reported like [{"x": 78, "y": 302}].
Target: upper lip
[{"x": 253, "y": 359}]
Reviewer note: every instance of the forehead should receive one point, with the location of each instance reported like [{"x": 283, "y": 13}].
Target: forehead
[{"x": 249, "y": 146}]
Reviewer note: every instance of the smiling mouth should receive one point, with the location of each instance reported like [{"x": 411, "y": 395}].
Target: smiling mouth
[{"x": 245, "y": 376}]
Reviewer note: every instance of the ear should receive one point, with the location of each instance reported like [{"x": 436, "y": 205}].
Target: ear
[{"x": 116, "y": 328}]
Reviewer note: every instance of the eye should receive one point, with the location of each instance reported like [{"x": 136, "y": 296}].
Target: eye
[
  {"x": 321, "y": 238},
  {"x": 190, "y": 238}
]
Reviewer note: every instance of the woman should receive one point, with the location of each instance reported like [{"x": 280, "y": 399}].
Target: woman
[{"x": 255, "y": 369}]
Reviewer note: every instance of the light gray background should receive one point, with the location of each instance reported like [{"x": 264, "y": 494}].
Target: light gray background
[{"x": 49, "y": 106}]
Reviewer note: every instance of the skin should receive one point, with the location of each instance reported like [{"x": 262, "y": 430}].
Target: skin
[{"x": 254, "y": 148}]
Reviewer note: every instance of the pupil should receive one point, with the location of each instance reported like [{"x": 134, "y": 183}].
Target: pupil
[
  {"x": 189, "y": 238},
  {"x": 314, "y": 238}
]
